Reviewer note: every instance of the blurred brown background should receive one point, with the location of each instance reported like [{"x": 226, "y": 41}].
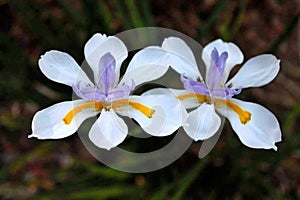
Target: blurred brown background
[{"x": 63, "y": 169}]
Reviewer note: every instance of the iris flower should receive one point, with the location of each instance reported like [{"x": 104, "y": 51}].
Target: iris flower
[
  {"x": 109, "y": 96},
  {"x": 256, "y": 126}
]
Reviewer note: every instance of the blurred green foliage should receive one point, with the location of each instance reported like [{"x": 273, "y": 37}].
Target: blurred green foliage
[{"x": 63, "y": 169}]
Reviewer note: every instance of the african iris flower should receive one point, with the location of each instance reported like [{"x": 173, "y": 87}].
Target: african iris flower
[
  {"x": 109, "y": 96},
  {"x": 256, "y": 126}
]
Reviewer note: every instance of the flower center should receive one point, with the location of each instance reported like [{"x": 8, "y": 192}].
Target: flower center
[
  {"x": 106, "y": 105},
  {"x": 98, "y": 106},
  {"x": 213, "y": 91},
  {"x": 244, "y": 115}
]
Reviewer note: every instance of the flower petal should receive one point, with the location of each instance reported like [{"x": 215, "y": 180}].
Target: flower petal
[
  {"x": 215, "y": 74},
  {"x": 107, "y": 75},
  {"x": 109, "y": 130},
  {"x": 172, "y": 93},
  {"x": 146, "y": 65},
  {"x": 262, "y": 131},
  {"x": 181, "y": 58},
  {"x": 88, "y": 92},
  {"x": 98, "y": 45},
  {"x": 187, "y": 98},
  {"x": 179, "y": 47},
  {"x": 62, "y": 68},
  {"x": 235, "y": 55},
  {"x": 48, "y": 123},
  {"x": 167, "y": 113},
  {"x": 119, "y": 93},
  {"x": 256, "y": 72},
  {"x": 202, "y": 123},
  {"x": 195, "y": 86},
  {"x": 159, "y": 59}
]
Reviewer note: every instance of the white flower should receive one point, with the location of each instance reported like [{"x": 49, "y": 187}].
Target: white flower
[
  {"x": 108, "y": 96},
  {"x": 256, "y": 126}
]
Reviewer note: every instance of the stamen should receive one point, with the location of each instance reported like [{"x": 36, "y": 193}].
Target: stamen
[
  {"x": 148, "y": 112},
  {"x": 199, "y": 97},
  {"x": 91, "y": 104},
  {"x": 244, "y": 115}
]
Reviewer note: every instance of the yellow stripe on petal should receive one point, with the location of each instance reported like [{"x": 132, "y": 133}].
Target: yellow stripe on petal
[
  {"x": 200, "y": 98},
  {"x": 142, "y": 108},
  {"x": 90, "y": 104},
  {"x": 148, "y": 112},
  {"x": 244, "y": 115}
]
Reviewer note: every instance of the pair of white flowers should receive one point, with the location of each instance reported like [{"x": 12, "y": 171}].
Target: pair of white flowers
[{"x": 158, "y": 111}]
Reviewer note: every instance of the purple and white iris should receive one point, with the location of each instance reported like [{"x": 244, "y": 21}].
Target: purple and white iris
[
  {"x": 256, "y": 126},
  {"x": 108, "y": 96}
]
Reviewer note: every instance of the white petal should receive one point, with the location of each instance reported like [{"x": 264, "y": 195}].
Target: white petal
[
  {"x": 172, "y": 93},
  {"x": 158, "y": 59},
  {"x": 235, "y": 55},
  {"x": 143, "y": 74},
  {"x": 256, "y": 72},
  {"x": 62, "y": 68},
  {"x": 262, "y": 131},
  {"x": 109, "y": 130},
  {"x": 48, "y": 123},
  {"x": 94, "y": 42},
  {"x": 146, "y": 65},
  {"x": 98, "y": 45},
  {"x": 189, "y": 102},
  {"x": 202, "y": 123},
  {"x": 179, "y": 47},
  {"x": 168, "y": 116}
]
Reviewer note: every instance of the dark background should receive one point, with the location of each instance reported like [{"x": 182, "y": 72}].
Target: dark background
[{"x": 63, "y": 169}]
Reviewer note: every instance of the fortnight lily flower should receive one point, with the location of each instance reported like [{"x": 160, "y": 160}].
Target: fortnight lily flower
[
  {"x": 256, "y": 126},
  {"x": 109, "y": 96}
]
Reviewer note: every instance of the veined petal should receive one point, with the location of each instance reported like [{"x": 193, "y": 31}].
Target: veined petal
[
  {"x": 158, "y": 115},
  {"x": 235, "y": 55},
  {"x": 98, "y": 45},
  {"x": 256, "y": 72},
  {"x": 62, "y": 68},
  {"x": 88, "y": 92},
  {"x": 107, "y": 75},
  {"x": 215, "y": 74},
  {"x": 179, "y": 47},
  {"x": 202, "y": 123},
  {"x": 225, "y": 93},
  {"x": 49, "y": 122},
  {"x": 121, "y": 92},
  {"x": 261, "y": 131},
  {"x": 109, "y": 130},
  {"x": 195, "y": 86}
]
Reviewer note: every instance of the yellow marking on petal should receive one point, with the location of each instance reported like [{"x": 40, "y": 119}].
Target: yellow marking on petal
[
  {"x": 142, "y": 108},
  {"x": 148, "y": 112},
  {"x": 90, "y": 104},
  {"x": 199, "y": 97},
  {"x": 244, "y": 115}
]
